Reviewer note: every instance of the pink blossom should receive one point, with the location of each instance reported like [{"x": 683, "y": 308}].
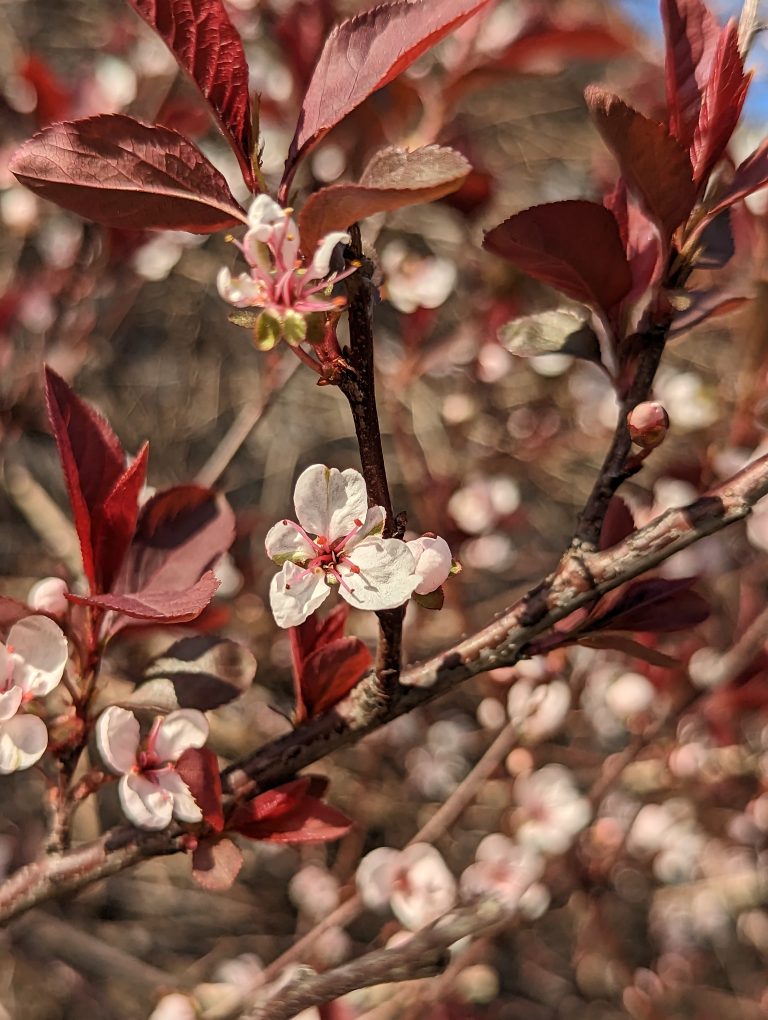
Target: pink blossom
[
  {"x": 151, "y": 790},
  {"x": 31, "y": 665},
  {"x": 48, "y": 596},
  {"x": 433, "y": 562},
  {"x": 347, "y": 551},
  {"x": 553, "y": 810},
  {"x": 278, "y": 282},
  {"x": 503, "y": 870},
  {"x": 415, "y": 882}
]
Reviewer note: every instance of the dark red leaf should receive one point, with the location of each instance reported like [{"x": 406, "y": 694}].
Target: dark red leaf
[
  {"x": 199, "y": 769},
  {"x": 157, "y": 605},
  {"x": 203, "y": 671},
  {"x": 317, "y": 631},
  {"x": 623, "y": 643},
  {"x": 574, "y": 246},
  {"x": 653, "y": 163},
  {"x": 208, "y": 47},
  {"x": 750, "y": 176},
  {"x": 11, "y": 611},
  {"x": 691, "y": 32},
  {"x": 706, "y": 304},
  {"x": 365, "y": 53},
  {"x": 181, "y": 534},
  {"x": 329, "y": 673},
  {"x": 656, "y": 604},
  {"x": 640, "y": 238},
  {"x": 123, "y": 173},
  {"x": 91, "y": 458},
  {"x": 617, "y": 524},
  {"x": 114, "y": 522},
  {"x": 216, "y": 864},
  {"x": 721, "y": 104},
  {"x": 289, "y": 815},
  {"x": 393, "y": 179},
  {"x": 54, "y": 101}
]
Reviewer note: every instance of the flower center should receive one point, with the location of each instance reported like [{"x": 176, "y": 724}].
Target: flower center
[{"x": 330, "y": 555}]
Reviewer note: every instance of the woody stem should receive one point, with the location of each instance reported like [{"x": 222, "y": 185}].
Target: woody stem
[{"x": 357, "y": 382}]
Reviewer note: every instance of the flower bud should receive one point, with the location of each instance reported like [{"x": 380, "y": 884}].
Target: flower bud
[
  {"x": 648, "y": 424},
  {"x": 47, "y": 596}
]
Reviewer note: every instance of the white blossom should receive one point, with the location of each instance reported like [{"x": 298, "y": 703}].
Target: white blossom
[
  {"x": 347, "y": 551},
  {"x": 415, "y": 882},
  {"x": 553, "y": 809},
  {"x": 151, "y": 790},
  {"x": 433, "y": 562},
  {"x": 503, "y": 870},
  {"x": 31, "y": 665}
]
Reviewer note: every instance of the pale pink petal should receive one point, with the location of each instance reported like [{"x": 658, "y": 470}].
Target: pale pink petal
[
  {"x": 433, "y": 562},
  {"x": 320, "y": 266},
  {"x": 329, "y": 501},
  {"x": 425, "y": 890},
  {"x": 178, "y": 732},
  {"x": 145, "y": 804},
  {"x": 284, "y": 543},
  {"x": 373, "y": 525},
  {"x": 23, "y": 741},
  {"x": 241, "y": 291},
  {"x": 185, "y": 807},
  {"x": 48, "y": 594},
  {"x": 40, "y": 651},
  {"x": 294, "y": 597},
  {"x": 386, "y": 576},
  {"x": 10, "y": 702},
  {"x": 117, "y": 738},
  {"x": 375, "y": 876},
  {"x": 263, "y": 214}
]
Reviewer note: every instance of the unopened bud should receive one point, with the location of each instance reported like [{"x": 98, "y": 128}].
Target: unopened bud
[
  {"x": 48, "y": 596},
  {"x": 648, "y": 424}
]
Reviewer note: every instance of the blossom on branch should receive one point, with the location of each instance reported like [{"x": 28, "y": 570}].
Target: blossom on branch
[
  {"x": 278, "y": 282},
  {"x": 151, "y": 790},
  {"x": 31, "y": 665},
  {"x": 347, "y": 551},
  {"x": 415, "y": 883}
]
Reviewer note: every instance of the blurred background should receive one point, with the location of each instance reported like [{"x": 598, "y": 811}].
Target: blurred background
[{"x": 494, "y": 452}]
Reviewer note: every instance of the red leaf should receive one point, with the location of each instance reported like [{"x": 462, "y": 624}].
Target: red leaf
[
  {"x": 623, "y": 643},
  {"x": 208, "y": 47},
  {"x": 316, "y": 632},
  {"x": 115, "y": 520},
  {"x": 123, "y": 173},
  {"x": 91, "y": 458},
  {"x": 653, "y": 163},
  {"x": 289, "y": 815},
  {"x": 199, "y": 769},
  {"x": 691, "y": 32},
  {"x": 640, "y": 238},
  {"x": 158, "y": 605},
  {"x": 362, "y": 55},
  {"x": 617, "y": 524},
  {"x": 721, "y": 104},
  {"x": 54, "y": 101},
  {"x": 656, "y": 604},
  {"x": 750, "y": 176},
  {"x": 574, "y": 246},
  {"x": 393, "y": 179},
  {"x": 216, "y": 864},
  {"x": 181, "y": 534},
  {"x": 330, "y": 673}
]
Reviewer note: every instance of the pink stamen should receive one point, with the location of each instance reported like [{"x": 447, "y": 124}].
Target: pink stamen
[{"x": 315, "y": 545}]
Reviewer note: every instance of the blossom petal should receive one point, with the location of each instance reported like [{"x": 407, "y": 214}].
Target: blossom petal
[
  {"x": 284, "y": 543},
  {"x": 180, "y": 730},
  {"x": 117, "y": 738},
  {"x": 293, "y": 598},
  {"x": 41, "y": 653},
  {"x": 376, "y": 875},
  {"x": 242, "y": 291},
  {"x": 185, "y": 807},
  {"x": 10, "y": 702},
  {"x": 145, "y": 803},
  {"x": 386, "y": 577},
  {"x": 433, "y": 562},
  {"x": 329, "y": 501},
  {"x": 373, "y": 525},
  {"x": 23, "y": 740},
  {"x": 321, "y": 263},
  {"x": 264, "y": 213}
]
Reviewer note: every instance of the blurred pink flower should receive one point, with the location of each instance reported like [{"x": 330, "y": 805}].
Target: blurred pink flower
[
  {"x": 415, "y": 882},
  {"x": 151, "y": 790},
  {"x": 553, "y": 810},
  {"x": 503, "y": 870}
]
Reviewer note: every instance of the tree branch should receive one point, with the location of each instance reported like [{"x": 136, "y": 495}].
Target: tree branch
[
  {"x": 424, "y": 955},
  {"x": 577, "y": 581}
]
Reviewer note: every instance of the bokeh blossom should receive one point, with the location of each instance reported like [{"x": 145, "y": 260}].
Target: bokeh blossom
[
  {"x": 503, "y": 870},
  {"x": 553, "y": 811},
  {"x": 347, "y": 551},
  {"x": 151, "y": 790},
  {"x": 278, "y": 282},
  {"x": 31, "y": 665},
  {"x": 414, "y": 882}
]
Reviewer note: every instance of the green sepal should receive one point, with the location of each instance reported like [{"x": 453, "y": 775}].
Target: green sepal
[{"x": 432, "y": 600}]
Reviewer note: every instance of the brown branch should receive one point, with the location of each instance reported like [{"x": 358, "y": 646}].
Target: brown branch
[
  {"x": 579, "y": 578},
  {"x": 422, "y": 956},
  {"x": 356, "y": 380}
]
